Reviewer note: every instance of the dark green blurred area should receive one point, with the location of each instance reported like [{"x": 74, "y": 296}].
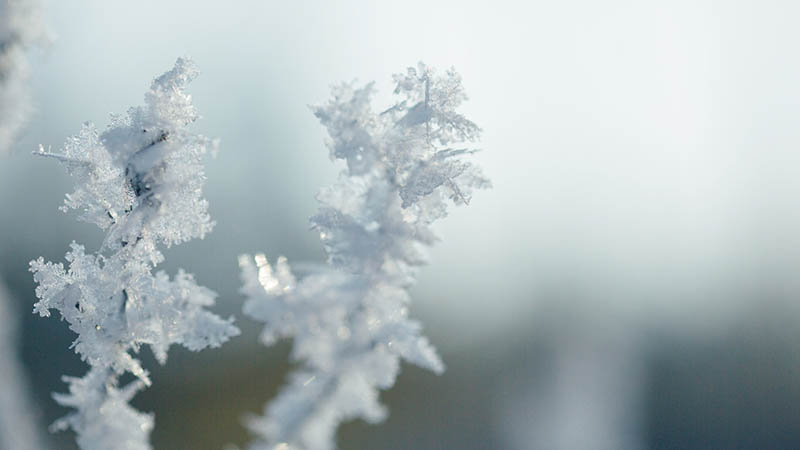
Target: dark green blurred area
[{"x": 737, "y": 389}]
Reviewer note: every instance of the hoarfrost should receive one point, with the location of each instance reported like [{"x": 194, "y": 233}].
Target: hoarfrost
[
  {"x": 141, "y": 181},
  {"x": 349, "y": 322}
]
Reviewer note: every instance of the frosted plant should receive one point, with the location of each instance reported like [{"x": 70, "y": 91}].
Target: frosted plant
[
  {"x": 350, "y": 321},
  {"x": 141, "y": 181},
  {"x": 20, "y": 27},
  {"x": 18, "y": 426}
]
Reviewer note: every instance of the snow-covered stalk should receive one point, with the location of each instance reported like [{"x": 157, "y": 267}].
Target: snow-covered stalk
[
  {"x": 350, "y": 321},
  {"x": 141, "y": 181},
  {"x": 20, "y": 27},
  {"x": 18, "y": 426}
]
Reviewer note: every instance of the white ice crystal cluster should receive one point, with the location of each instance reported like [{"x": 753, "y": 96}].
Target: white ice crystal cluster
[
  {"x": 20, "y": 27},
  {"x": 350, "y": 321},
  {"x": 141, "y": 181}
]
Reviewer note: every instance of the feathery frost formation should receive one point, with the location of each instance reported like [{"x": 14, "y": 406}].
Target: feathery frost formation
[
  {"x": 141, "y": 181},
  {"x": 350, "y": 322},
  {"x": 18, "y": 426},
  {"x": 20, "y": 27}
]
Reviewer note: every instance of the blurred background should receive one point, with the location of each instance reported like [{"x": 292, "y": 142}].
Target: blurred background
[{"x": 631, "y": 281}]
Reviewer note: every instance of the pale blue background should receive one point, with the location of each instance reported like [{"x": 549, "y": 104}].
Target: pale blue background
[{"x": 644, "y": 157}]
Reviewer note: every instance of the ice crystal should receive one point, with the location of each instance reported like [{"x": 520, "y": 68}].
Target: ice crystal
[
  {"x": 141, "y": 181},
  {"x": 350, "y": 321}
]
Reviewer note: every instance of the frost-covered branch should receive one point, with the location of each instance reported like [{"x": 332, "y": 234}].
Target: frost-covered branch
[
  {"x": 350, "y": 322},
  {"x": 141, "y": 181},
  {"x": 18, "y": 426},
  {"x": 20, "y": 27}
]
